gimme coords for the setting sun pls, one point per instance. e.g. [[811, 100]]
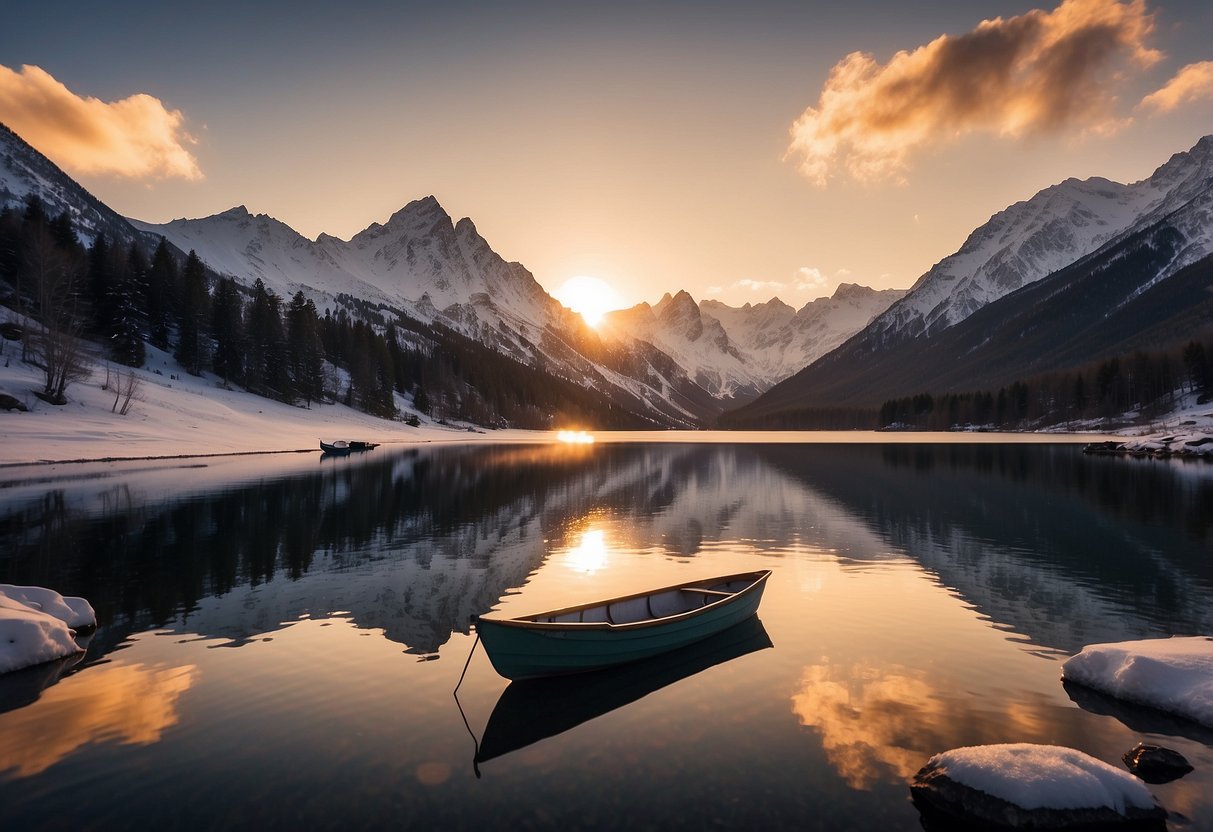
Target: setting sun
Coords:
[[589, 296]]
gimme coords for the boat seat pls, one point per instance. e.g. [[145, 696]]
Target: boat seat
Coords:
[[714, 592]]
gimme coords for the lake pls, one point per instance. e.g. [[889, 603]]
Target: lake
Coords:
[[280, 637]]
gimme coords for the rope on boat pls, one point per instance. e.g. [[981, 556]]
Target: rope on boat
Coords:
[[459, 705]]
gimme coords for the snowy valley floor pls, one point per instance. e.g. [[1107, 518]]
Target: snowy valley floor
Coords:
[[183, 415], [178, 415]]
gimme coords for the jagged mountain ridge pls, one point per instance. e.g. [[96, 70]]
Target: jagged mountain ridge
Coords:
[[679, 369], [738, 352], [678, 356], [1033, 238], [24, 172], [1144, 288], [432, 269]]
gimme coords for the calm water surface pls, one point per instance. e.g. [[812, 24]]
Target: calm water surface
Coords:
[[280, 637]]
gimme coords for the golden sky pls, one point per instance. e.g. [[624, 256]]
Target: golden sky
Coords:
[[737, 151]]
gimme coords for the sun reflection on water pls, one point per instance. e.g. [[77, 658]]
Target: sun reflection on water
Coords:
[[590, 555]]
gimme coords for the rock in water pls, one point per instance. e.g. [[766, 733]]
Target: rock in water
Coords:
[[1155, 764], [1023, 786]]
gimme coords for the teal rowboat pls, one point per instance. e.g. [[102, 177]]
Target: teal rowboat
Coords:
[[605, 633]]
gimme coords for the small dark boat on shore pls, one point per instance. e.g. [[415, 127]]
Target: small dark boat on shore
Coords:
[[341, 447]]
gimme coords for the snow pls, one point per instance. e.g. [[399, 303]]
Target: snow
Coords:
[[184, 415], [72, 611], [34, 625], [1059, 225], [1170, 674], [738, 352], [1043, 777]]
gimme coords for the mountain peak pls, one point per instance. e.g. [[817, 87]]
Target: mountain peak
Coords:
[[237, 212], [427, 209], [847, 291]]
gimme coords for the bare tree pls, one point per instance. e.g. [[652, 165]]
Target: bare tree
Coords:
[[127, 392], [55, 345]]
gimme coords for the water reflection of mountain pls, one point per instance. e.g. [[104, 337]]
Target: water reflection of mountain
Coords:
[[1058, 547], [1061, 548]]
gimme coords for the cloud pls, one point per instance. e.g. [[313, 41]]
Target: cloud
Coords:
[[809, 279], [1193, 82], [1042, 71], [806, 279], [136, 137], [760, 285]]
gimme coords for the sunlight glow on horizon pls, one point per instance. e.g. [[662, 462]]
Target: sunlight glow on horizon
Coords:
[[590, 297]]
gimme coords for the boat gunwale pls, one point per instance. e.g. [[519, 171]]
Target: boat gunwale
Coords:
[[523, 621]]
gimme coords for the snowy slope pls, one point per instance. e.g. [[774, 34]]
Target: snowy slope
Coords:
[[24, 172], [1053, 229], [438, 271]]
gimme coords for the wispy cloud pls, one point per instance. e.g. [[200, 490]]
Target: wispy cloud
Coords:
[[760, 285], [1193, 82], [1042, 71], [806, 280], [136, 137]]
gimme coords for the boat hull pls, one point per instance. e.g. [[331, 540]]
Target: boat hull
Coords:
[[519, 650]]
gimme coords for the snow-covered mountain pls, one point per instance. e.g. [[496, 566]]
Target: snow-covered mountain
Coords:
[[683, 359], [420, 259], [738, 352], [1053, 229], [438, 271], [24, 172], [1082, 272], [675, 363]]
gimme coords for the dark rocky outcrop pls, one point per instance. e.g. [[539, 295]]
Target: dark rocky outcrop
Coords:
[[1156, 764]]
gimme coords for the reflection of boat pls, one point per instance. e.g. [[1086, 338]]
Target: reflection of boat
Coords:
[[535, 709], [605, 633]]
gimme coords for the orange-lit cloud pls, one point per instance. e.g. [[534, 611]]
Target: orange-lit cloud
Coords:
[[880, 722], [1038, 72], [1193, 82], [136, 137]]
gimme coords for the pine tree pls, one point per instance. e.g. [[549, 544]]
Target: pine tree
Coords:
[[268, 364], [191, 312], [100, 285], [125, 301], [161, 292], [304, 349], [227, 328]]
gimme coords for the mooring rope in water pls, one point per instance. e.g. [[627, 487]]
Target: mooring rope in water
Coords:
[[462, 715]]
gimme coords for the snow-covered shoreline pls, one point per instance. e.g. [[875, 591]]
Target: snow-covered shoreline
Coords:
[[178, 416]]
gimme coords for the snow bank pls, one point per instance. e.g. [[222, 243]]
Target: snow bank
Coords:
[[1170, 674], [72, 611], [34, 625], [1024, 786], [1043, 777], [1195, 444]]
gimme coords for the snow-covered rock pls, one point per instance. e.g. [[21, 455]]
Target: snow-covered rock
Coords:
[[1170, 674], [71, 610], [36, 625], [1056, 227], [1026, 786]]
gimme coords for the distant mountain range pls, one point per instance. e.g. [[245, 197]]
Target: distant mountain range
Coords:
[[433, 271], [1081, 271]]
